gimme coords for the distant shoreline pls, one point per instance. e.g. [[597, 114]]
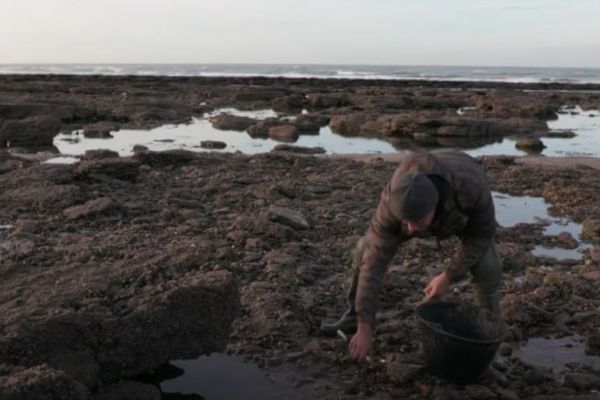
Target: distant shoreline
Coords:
[[550, 75], [336, 82]]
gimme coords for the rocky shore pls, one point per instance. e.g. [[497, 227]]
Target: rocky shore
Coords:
[[113, 266]]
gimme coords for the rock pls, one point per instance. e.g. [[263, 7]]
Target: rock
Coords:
[[261, 128], [43, 196], [29, 132], [41, 383], [581, 381], [479, 392], [165, 158], [424, 139], [299, 149], [100, 130], [212, 144], [92, 208], [538, 376], [507, 394], [289, 103], [561, 134], [402, 373], [318, 100], [231, 122], [128, 390], [310, 124], [284, 133], [566, 240], [287, 217], [124, 169], [590, 229], [530, 144], [595, 254], [17, 249], [99, 154], [139, 148], [348, 124]]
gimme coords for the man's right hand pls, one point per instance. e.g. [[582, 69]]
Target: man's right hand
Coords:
[[361, 343], [438, 287]]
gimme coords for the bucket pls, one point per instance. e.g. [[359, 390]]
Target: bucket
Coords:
[[459, 340]]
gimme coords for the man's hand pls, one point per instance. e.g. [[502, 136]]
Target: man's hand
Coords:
[[437, 287], [361, 344]]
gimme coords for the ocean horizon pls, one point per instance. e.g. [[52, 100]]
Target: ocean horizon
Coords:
[[570, 75]]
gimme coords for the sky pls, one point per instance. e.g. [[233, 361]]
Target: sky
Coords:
[[543, 33]]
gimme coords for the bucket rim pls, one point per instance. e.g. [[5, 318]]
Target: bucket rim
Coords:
[[440, 331]]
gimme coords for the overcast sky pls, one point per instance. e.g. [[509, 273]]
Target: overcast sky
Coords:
[[402, 32]]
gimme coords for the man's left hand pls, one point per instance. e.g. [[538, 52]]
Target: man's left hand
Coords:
[[437, 287]]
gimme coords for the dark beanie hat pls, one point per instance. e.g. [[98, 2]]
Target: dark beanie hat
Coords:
[[412, 196]]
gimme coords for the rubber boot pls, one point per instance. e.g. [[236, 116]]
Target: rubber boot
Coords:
[[490, 302], [347, 324]]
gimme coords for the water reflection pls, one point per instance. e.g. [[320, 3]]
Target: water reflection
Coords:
[[188, 137], [585, 143], [220, 376], [512, 210], [557, 353]]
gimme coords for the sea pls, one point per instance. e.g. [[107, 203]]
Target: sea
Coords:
[[386, 72]]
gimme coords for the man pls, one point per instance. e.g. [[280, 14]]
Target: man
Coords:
[[436, 194]]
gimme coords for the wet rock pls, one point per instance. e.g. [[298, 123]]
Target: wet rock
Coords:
[[261, 128], [284, 133], [124, 169], [139, 148], [100, 130], [442, 393], [566, 240], [41, 383], [212, 144], [507, 394], [151, 116], [128, 390], [590, 229], [289, 103], [530, 144], [561, 134], [402, 373], [595, 254], [424, 139], [17, 249], [566, 397], [92, 208], [310, 124], [299, 149], [165, 158], [257, 94], [43, 196], [504, 104], [348, 124], [293, 219], [265, 229], [538, 376], [29, 132], [99, 154], [231, 122], [320, 101], [480, 392], [581, 381]]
